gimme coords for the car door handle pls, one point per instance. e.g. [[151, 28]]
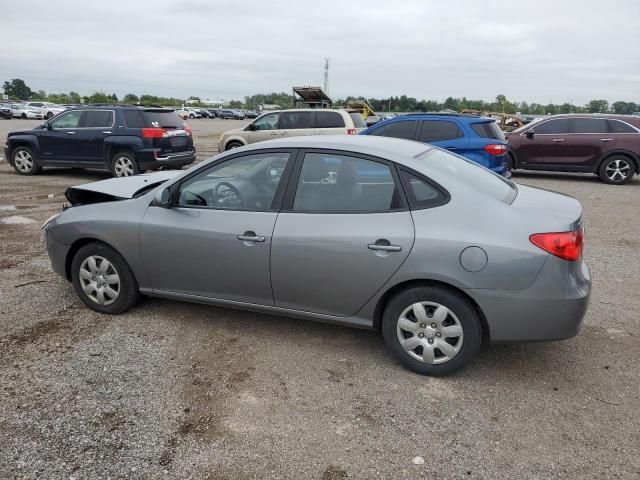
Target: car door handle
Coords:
[[384, 248], [273, 134], [558, 140], [607, 139], [451, 148], [106, 131], [250, 237], [71, 133]]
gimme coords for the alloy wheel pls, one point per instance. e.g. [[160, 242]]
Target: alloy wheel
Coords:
[[99, 280], [23, 161], [430, 332], [618, 170], [123, 167]]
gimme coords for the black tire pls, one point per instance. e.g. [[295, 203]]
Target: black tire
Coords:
[[617, 170], [233, 144], [127, 291], [462, 310], [124, 164], [23, 116], [49, 115], [511, 162], [21, 165]]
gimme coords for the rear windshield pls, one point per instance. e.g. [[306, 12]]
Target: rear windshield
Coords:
[[488, 130], [472, 174], [162, 119], [358, 121]]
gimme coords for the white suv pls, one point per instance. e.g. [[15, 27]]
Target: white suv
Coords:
[[293, 123], [47, 109]]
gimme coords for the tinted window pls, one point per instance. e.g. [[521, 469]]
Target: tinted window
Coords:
[[421, 194], [329, 120], [488, 130], [267, 122], [552, 127], [98, 119], [358, 121], [243, 183], [438, 130], [396, 129], [589, 125], [471, 174], [67, 120], [133, 118], [338, 183], [616, 126], [162, 119], [296, 120]]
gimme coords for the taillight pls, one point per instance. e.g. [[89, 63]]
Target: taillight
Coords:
[[154, 132], [188, 130], [495, 149], [351, 131], [566, 245]]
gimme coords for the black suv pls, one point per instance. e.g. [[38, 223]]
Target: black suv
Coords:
[[124, 139]]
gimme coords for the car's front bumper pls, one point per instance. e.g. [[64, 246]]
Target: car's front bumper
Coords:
[[151, 160], [553, 308], [57, 254]]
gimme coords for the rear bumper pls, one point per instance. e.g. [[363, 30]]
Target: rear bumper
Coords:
[[553, 308], [147, 159]]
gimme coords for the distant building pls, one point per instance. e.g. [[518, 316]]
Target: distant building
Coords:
[[269, 106]]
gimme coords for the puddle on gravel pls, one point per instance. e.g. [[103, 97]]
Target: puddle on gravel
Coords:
[[16, 220], [7, 208]]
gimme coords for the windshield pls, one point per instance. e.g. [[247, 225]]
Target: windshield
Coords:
[[471, 173]]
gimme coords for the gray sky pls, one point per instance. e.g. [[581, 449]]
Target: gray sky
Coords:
[[533, 50]]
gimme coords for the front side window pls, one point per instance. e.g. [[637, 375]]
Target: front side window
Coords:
[[329, 120], [438, 130], [67, 120], [589, 125], [243, 183], [339, 183], [98, 119], [559, 126], [402, 129], [295, 120], [267, 122]]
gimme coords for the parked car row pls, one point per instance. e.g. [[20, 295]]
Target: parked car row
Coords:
[[30, 110], [192, 112]]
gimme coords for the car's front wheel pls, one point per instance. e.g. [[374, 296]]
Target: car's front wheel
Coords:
[[233, 144], [49, 115], [616, 170], [103, 280], [123, 164], [431, 330], [24, 161]]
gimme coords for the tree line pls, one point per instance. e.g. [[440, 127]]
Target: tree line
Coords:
[[17, 89]]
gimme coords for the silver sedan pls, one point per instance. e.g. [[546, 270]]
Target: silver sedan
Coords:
[[437, 253]]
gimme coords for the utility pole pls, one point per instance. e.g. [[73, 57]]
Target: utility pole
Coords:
[[326, 75]]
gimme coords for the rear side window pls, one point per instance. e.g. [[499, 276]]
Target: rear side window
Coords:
[[488, 130], [421, 194], [552, 127], [329, 120], [358, 121], [438, 130], [133, 119], [471, 174], [98, 119], [589, 125], [403, 129], [295, 120], [162, 119], [616, 126]]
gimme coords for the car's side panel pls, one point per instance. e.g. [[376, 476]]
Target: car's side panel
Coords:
[[30, 141]]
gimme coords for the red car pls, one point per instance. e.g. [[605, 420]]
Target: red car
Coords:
[[606, 145]]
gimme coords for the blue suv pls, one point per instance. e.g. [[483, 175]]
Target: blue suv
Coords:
[[477, 138]]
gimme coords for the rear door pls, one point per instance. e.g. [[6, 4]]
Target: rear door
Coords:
[[95, 127], [60, 143], [343, 232], [296, 123], [546, 146], [589, 139], [443, 134], [329, 122]]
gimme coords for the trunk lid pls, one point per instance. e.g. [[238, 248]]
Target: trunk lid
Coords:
[[555, 211]]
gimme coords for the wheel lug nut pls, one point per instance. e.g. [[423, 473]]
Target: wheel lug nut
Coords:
[[421, 335], [423, 325], [433, 325], [438, 334], [430, 340]]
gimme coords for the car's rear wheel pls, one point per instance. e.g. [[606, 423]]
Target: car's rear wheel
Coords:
[[103, 280], [23, 116], [24, 161], [124, 164], [616, 170], [233, 144], [431, 330], [511, 162]]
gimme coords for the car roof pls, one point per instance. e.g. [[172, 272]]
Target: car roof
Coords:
[[464, 117]]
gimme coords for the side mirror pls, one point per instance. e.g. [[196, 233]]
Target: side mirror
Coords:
[[530, 133], [46, 126], [251, 127], [162, 198]]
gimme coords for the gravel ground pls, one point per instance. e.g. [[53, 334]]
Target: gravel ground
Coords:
[[173, 390]]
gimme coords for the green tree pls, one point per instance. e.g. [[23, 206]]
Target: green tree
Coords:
[[74, 97], [235, 104], [597, 106], [131, 98], [98, 97], [16, 88]]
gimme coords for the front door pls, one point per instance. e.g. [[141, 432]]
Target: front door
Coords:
[[265, 128], [589, 139], [545, 143], [216, 240], [342, 233], [59, 143]]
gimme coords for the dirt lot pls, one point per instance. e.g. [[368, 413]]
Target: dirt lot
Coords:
[[172, 390]]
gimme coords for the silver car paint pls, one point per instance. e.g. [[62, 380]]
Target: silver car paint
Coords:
[[524, 293]]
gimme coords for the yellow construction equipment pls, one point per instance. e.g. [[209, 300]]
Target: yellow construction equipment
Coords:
[[362, 106]]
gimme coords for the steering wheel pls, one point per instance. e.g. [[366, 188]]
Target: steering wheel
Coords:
[[199, 200], [227, 196]]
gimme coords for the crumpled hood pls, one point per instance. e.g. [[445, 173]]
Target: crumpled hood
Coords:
[[117, 188]]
